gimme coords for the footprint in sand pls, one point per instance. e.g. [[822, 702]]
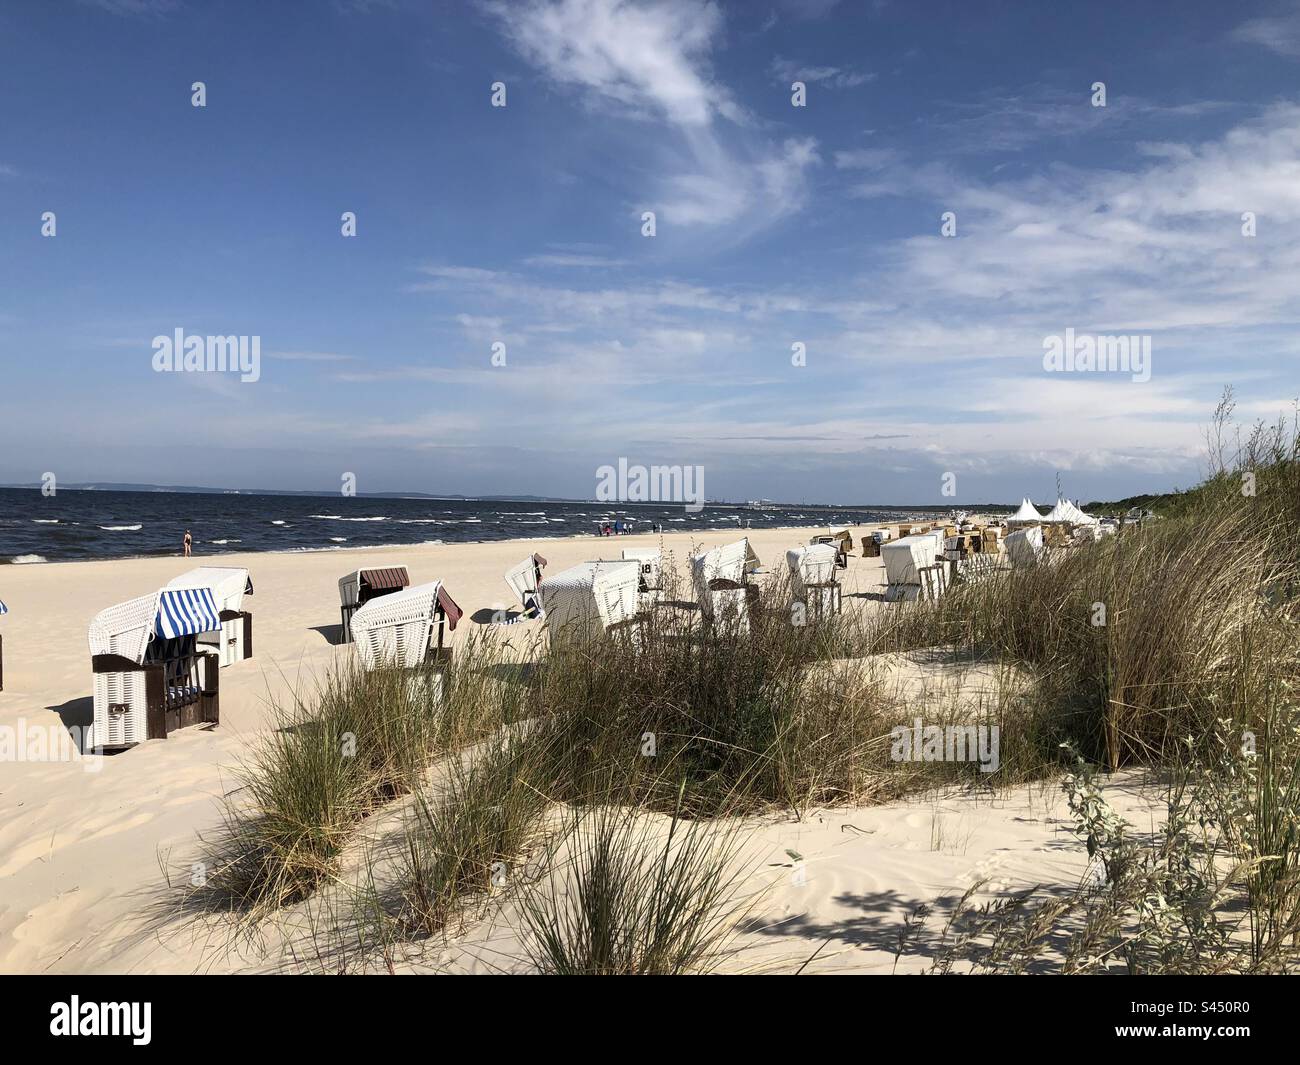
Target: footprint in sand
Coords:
[[988, 869]]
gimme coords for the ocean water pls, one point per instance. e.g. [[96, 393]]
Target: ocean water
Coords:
[[76, 524]]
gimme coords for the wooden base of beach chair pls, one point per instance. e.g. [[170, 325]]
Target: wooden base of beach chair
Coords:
[[731, 605], [934, 580], [345, 624], [632, 630], [823, 600], [134, 703]]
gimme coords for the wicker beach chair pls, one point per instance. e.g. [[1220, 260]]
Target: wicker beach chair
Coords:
[[905, 559], [358, 588], [233, 641], [812, 579], [1025, 547], [151, 676], [651, 585], [524, 580], [406, 629], [593, 599], [722, 588]]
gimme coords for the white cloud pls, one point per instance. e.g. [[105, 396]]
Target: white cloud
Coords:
[[866, 158], [651, 60], [787, 71], [647, 56], [1279, 33]]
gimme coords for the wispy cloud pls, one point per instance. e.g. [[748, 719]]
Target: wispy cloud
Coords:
[[651, 61], [787, 71], [308, 356], [1278, 33], [135, 8]]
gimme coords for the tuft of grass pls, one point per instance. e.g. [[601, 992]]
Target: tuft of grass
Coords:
[[633, 899], [470, 836], [332, 758]]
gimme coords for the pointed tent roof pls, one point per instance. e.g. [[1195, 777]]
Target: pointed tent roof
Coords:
[[1080, 518], [1060, 512], [1027, 512]]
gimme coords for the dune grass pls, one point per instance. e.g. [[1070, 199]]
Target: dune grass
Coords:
[[625, 895], [332, 758], [1163, 646]]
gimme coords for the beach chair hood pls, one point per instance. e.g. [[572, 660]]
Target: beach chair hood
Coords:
[[905, 557], [651, 562], [591, 594], [814, 564], [127, 628], [373, 578], [394, 629], [728, 563], [1023, 548], [522, 578], [229, 584]]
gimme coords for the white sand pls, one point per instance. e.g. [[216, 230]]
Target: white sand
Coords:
[[81, 841]]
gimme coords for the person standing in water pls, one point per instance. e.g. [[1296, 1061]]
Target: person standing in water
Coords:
[[189, 542]]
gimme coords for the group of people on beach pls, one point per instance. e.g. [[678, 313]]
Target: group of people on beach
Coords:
[[618, 527]]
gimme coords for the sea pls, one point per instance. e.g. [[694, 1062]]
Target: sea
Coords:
[[78, 524]]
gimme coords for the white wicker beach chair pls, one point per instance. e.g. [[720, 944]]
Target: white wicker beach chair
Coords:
[[233, 642], [398, 630], [524, 580], [813, 585], [150, 675], [1025, 546], [651, 586], [358, 588], [591, 599], [841, 540], [720, 577], [909, 566]]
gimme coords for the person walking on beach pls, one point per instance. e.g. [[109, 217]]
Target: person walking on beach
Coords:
[[189, 542]]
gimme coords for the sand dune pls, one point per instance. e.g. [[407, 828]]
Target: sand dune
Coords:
[[82, 841]]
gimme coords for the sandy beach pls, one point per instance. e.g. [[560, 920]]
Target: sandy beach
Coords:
[[83, 841]]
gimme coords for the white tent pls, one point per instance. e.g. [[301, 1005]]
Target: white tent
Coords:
[[1027, 513], [233, 640], [1059, 513], [396, 629], [1080, 518], [590, 598]]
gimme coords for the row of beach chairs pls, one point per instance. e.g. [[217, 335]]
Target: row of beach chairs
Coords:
[[156, 659]]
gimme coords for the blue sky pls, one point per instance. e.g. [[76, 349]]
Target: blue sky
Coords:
[[775, 225]]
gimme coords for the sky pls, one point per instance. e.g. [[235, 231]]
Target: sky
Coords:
[[922, 375]]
